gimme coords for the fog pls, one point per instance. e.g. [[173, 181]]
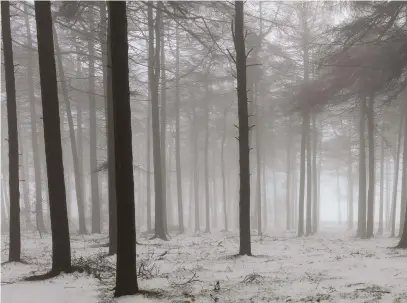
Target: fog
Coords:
[[179, 137]]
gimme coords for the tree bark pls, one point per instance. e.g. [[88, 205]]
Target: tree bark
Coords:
[[61, 249], [14, 182], [126, 273], [206, 156], [404, 178], [244, 159]]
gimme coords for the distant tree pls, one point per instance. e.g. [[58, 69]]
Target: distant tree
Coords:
[[61, 250], [126, 274], [244, 128], [15, 236]]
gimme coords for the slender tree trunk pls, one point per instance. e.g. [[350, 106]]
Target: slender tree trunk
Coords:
[[308, 229], [107, 80], [338, 188], [154, 76], [126, 273], [404, 181], [350, 185], [148, 174], [214, 189], [206, 155], [388, 193], [301, 197], [78, 183], [61, 249], [24, 174], [178, 137], [222, 159], [361, 232], [196, 172], [244, 159], [372, 177], [14, 182], [396, 178], [258, 163], [288, 179], [39, 217], [94, 176], [315, 205], [163, 132], [4, 219], [380, 230]]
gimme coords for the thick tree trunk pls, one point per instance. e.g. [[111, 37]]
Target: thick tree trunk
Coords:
[[126, 273], [76, 166], [14, 182], [94, 176], [382, 180], [244, 159], [61, 249], [361, 232], [178, 138], [372, 177]]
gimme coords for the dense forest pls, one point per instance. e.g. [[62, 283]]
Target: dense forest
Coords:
[[214, 151]]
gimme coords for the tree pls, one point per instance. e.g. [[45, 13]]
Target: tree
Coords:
[[361, 231], [126, 276], [15, 236], [153, 80], [61, 250], [243, 116]]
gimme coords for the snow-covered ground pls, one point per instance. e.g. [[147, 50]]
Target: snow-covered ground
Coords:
[[332, 266]]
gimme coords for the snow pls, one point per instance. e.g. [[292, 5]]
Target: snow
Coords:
[[332, 266]]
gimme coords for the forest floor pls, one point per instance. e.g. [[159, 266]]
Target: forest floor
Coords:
[[332, 266]]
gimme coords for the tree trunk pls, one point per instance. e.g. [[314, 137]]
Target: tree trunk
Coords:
[[178, 138], [301, 197], [404, 178], [258, 163], [61, 249], [315, 205], [126, 273], [350, 185], [222, 159], [308, 229], [163, 132], [196, 172], [153, 79], [338, 187], [94, 176], [403, 221], [206, 155], [76, 167], [24, 174], [107, 80], [15, 233], [372, 177], [396, 178], [380, 230], [244, 159], [361, 232]]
